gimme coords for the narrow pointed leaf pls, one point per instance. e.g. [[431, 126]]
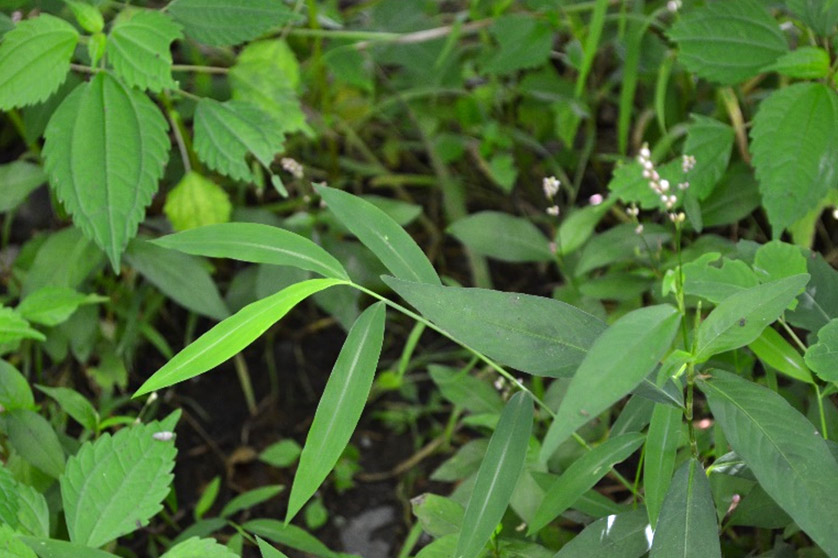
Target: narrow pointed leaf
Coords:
[[340, 406], [138, 49], [618, 361], [225, 23], [289, 535], [51, 306], [388, 241], [773, 350], [252, 242], [35, 440], [497, 475], [53, 548], [659, 461], [624, 535], [267, 550], [785, 453], [232, 335], [582, 475]]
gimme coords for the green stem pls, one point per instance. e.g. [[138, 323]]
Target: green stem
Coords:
[[199, 69], [821, 412]]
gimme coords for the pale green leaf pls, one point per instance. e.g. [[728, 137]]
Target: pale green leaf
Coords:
[[88, 16], [776, 260], [710, 142], [795, 151], [196, 547], [11, 546], [232, 335], [822, 357], [785, 453], [223, 23], [53, 548], [15, 392], [739, 319], [34, 60], [289, 535], [252, 242], [805, 62], [776, 352], [624, 535], [687, 527], [717, 283], [581, 476], [281, 454], [497, 475], [13, 327], [340, 407], [34, 439], [728, 42], [105, 189], [617, 362], [250, 499], [138, 49], [662, 443], [536, 335], [207, 498], [17, 180], [51, 306], [384, 237], [74, 404], [503, 237], [196, 202]]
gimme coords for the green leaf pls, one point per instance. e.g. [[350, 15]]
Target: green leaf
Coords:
[[182, 277], [65, 259], [625, 535], [617, 362], [13, 327], [820, 15], [34, 60], [289, 535], [717, 283], [226, 132], [232, 335], [114, 485], [687, 527], [776, 260], [250, 499], [281, 454], [497, 475], [503, 237], [578, 227], [594, 34], [387, 240], [340, 407], [52, 548], [619, 244], [207, 498], [819, 302], [138, 49], [194, 547], [225, 23], [105, 189], [196, 202], [794, 151], [438, 516], [89, 17], [581, 476], [536, 335], [662, 443], [466, 391], [51, 306], [776, 352], [805, 62], [34, 439], [14, 389], [728, 42], [740, 319], [74, 404], [710, 142], [523, 42], [788, 457], [267, 550], [22, 507], [19, 179], [822, 357], [252, 242], [11, 546]]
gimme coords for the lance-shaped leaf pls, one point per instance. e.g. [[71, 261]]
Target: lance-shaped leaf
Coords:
[[195, 202], [624, 535], [289, 535], [51, 306], [822, 357], [772, 349], [795, 151], [785, 453], [340, 407], [224, 23], [54, 548], [581, 476], [740, 318], [534, 334], [687, 527], [659, 461], [13, 327], [256, 243], [138, 49], [232, 335], [377, 231], [497, 475], [34, 60], [503, 237], [104, 188], [618, 361]]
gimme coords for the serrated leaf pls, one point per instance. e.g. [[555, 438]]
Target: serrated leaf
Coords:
[[196, 202], [795, 150], [785, 453], [710, 142], [34, 60], [739, 319], [662, 443], [138, 49], [15, 392], [19, 179], [106, 190], [74, 404], [497, 475], [226, 132], [13, 327], [640, 338], [728, 42], [194, 547], [534, 334], [114, 485], [51, 306], [820, 15], [624, 535], [33, 512], [34, 439], [11, 546], [822, 357], [289, 535], [503, 237], [250, 499], [232, 335], [805, 62], [687, 527], [225, 23], [89, 17], [340, 407], [256, 243]]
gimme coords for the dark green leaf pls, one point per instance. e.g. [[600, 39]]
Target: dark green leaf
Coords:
[[223, 23], [625, 535], [822, 357], [662, 443], [776, 352], [503, 237]]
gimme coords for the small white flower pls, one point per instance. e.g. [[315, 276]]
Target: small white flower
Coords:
[[292, 167], [647, 174], [553, 210], [644, 152], [683, 185], [152, 398], [633, 211], [638, 229], [664, 185], [835, 213], [673, 5], [687, 163], [596, 199], [551, 186], [664, 199]]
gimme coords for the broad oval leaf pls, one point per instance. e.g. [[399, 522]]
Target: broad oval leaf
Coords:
[[225, 23], [197, 201], [785, 453], [256, 243], [35, 440], [624, 535], [384, 237], [617, 362], [34, 60], [728, 42], [340, 406], [662, 443], [497, 476], [822, 357], [138, 49], [687, 527], [582, 475], [232, 335], [105, 189], [503, 237], [740, 318], [717, 283], [537, 335], [795, 150]]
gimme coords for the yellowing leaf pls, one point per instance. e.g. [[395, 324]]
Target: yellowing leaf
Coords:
[[196, 202]]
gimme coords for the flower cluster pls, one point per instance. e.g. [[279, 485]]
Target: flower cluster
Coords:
[[661, 186], [292, 167], [551, 185]]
